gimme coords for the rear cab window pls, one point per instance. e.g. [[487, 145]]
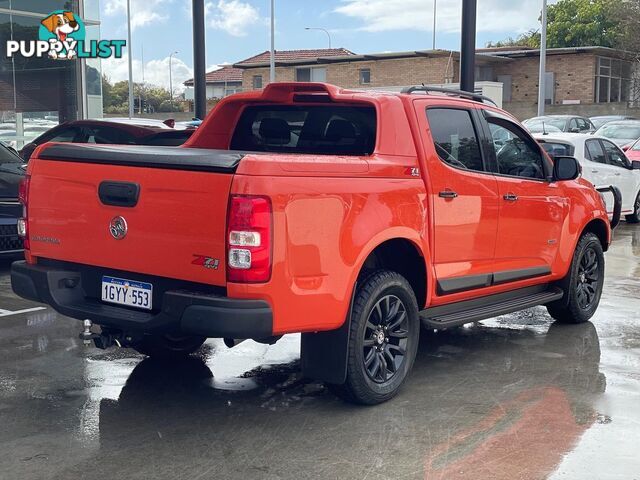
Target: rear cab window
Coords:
[[311, 129]]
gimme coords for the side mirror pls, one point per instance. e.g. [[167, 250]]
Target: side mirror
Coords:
[[635, 165], [566, 168], [626, 148], [574, 130]]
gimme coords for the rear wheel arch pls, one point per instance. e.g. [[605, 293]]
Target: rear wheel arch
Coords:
[[402, 256]]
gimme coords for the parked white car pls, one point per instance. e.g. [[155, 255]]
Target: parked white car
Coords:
[[603, 164]]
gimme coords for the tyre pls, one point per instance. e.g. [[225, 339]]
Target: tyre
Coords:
[[583, 284], [383, 339], [635, 216], [165, 346]]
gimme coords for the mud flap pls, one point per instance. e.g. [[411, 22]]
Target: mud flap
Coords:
[[324, 354]]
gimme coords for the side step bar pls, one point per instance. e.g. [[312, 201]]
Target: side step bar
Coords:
[[454, 315]]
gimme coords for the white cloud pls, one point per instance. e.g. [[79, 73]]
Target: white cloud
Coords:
[[156, 72], [143, 12], [493, 15], [232, 16]]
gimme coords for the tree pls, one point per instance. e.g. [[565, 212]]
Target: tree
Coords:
[[115, 97], [581, 23]]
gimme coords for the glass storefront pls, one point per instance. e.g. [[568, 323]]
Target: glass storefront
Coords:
[[38, 93]]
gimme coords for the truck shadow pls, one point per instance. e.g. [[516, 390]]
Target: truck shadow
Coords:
[[469, 386]]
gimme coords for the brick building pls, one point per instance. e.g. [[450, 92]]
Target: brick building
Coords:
[[344, 68], [589, 80], [586, 80]]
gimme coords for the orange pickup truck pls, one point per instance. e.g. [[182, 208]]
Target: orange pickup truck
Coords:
[[350, 216]]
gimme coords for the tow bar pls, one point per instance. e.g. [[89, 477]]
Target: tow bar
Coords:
[[617, 199]]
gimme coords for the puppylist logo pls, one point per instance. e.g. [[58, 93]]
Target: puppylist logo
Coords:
[[62, 36]]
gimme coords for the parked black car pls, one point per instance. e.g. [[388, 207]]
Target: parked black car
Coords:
[[110, 132], [12, 170]]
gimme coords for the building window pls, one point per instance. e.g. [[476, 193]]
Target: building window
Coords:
[[257, 82], [365, 76], [311, 74], [612, 80], [484, 74]]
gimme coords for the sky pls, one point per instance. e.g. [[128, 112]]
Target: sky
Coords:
[[238, 29]]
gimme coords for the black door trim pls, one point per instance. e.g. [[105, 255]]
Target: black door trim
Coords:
[[465, 283], [522, 274], [462, 284]]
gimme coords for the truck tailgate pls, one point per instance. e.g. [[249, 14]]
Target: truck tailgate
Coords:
[[176, 229]]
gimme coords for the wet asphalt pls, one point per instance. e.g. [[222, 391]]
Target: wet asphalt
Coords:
[[516, 397]]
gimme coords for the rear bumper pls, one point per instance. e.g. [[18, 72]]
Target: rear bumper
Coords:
[[181, 311]]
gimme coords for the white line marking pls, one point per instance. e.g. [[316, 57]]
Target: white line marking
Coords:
[[7, 313]]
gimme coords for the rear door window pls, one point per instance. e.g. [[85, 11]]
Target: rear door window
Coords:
[[595, 152], [455, 138], [314, 129]]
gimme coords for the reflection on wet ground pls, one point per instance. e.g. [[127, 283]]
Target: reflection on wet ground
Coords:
[[516, 397]]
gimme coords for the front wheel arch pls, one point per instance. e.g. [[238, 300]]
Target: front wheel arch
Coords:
[[600, 229]]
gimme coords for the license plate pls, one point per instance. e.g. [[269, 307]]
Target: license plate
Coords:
[[127, 292]]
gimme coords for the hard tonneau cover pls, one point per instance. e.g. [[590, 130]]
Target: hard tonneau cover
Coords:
[[175, 158]]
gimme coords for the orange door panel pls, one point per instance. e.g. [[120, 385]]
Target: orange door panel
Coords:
[[532, 214], [465, 201]]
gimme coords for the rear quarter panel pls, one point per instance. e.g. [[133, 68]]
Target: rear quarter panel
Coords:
[[324, 229]]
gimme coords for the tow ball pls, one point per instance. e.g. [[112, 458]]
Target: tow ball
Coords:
[[105, 339]]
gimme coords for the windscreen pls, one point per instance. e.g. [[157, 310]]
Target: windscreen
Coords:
[[314, 129], [620, 131]]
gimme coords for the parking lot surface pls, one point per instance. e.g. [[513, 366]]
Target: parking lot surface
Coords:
[[516, 397]]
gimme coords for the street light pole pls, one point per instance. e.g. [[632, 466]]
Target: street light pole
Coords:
[[435, 16], [323, 30], [542, 100], [199, 61], [171, 81], [272, 54], [130, 55], [468, 47]]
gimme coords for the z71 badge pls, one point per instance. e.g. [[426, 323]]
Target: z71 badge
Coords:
[[206, 262]]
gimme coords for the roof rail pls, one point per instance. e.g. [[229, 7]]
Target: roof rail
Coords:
[[449, 91]]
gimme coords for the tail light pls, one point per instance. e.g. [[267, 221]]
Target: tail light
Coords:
[[249, 239], [23, 223]]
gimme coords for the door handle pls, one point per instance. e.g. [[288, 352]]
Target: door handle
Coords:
[[510, 197], [448, 194], [119, 194], [618, 174], [595, 171]]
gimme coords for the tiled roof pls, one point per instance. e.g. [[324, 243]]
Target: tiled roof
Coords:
[[225, 74], [293, 55]]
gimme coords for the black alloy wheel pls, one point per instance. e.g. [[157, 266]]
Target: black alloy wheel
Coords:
[[385, 339], [588, 279], [583, 283]]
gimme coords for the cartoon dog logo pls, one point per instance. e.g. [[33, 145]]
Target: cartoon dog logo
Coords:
[[61, 25]]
